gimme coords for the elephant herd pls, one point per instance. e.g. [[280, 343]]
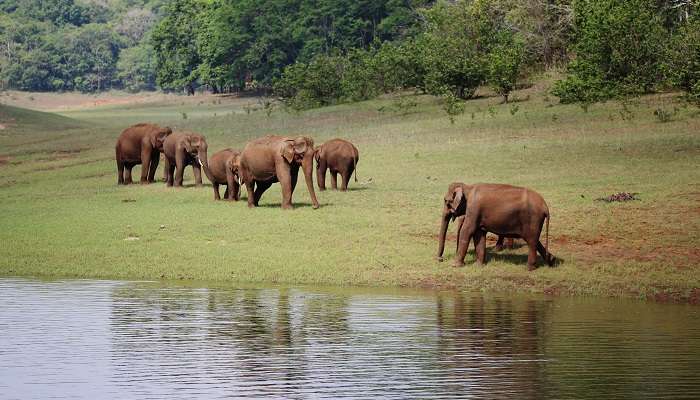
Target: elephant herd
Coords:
[[508, 211]]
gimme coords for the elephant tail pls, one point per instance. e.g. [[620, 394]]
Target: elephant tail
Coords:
[[354, 167], [546, 241], [355, 158]]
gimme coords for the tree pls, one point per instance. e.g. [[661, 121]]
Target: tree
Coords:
[[175, 47], [619, 47]]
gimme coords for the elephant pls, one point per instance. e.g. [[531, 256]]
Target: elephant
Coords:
[[223, 168], [182, 149], [140, 144], [339, 156], [458, 213], [508, 211], [271, 159]]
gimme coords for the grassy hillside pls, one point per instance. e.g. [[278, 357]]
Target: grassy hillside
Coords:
[[64, 215]]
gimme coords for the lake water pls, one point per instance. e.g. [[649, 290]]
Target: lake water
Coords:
[[103, 339]]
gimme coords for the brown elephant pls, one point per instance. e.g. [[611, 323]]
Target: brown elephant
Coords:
[[340, 157], [508, 211], [223, 168], [271, 159], [182, 149], [457, 213], [140, 144]]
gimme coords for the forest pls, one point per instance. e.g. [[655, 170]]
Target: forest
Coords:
[[311, 53]]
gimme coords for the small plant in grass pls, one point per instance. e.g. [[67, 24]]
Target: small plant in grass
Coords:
[[492, 111], [184, 115], [453, 106], [514, 109], [267, 104], [664, 115]]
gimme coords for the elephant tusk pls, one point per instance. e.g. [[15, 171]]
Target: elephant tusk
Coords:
[[200, 162]]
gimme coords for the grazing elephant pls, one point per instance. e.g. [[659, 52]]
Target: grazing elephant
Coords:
[[508, 211], [140, 144], [271, 159], [341, 157], [182, 149], [223, 170], [457, 212]]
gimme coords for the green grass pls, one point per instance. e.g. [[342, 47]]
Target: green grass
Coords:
[[64, 216]]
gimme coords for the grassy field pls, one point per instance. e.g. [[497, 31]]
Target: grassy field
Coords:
[[63, 214]]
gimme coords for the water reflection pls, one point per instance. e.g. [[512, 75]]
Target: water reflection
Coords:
[[85, 339]]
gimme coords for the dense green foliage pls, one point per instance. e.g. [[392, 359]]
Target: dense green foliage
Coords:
[[319, 52], [621, 49], [55, 45], [462, 45], [226, 44]]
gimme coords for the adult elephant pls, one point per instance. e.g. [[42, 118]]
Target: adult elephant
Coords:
[[455, 211], [223, 170], [508, 211], [271, 159], [340, 157], [182, 149], [140, 144]]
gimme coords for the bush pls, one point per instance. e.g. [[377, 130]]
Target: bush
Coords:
[[619, 47], [313, 84], [683, 60]]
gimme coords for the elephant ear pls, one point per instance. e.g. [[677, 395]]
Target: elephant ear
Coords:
[[287, 150], [458, 198], [187, 142]]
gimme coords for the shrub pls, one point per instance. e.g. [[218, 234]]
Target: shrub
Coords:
[[619, 47]]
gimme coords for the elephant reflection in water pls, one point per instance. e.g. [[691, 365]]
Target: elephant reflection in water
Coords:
[[499, 342]]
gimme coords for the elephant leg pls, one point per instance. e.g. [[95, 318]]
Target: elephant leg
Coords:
[[170, 174], [127, 175], [260, 188], [284, 176], [334, 180], [346, 179], [197, 174], [120, 173], [250, 188], [155, 160], [480, 246], [499, 244], [145, 164], [294, 174], [216, 191], [179, 172], [321, 175], [460, 222], [465, 236]]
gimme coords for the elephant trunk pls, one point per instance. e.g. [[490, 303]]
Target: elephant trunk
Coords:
[[203, 161], [307, 164], [443, 233]]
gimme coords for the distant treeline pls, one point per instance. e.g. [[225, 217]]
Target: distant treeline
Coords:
[[89, 45], [318, 52]]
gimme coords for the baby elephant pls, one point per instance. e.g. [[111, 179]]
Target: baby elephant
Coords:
[[508, 211], [340, 156], [223, 170]]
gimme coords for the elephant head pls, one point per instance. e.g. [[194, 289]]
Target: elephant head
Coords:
[[196, 146], [300, 151], [454, 205], [158, 136], [233, 164]]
